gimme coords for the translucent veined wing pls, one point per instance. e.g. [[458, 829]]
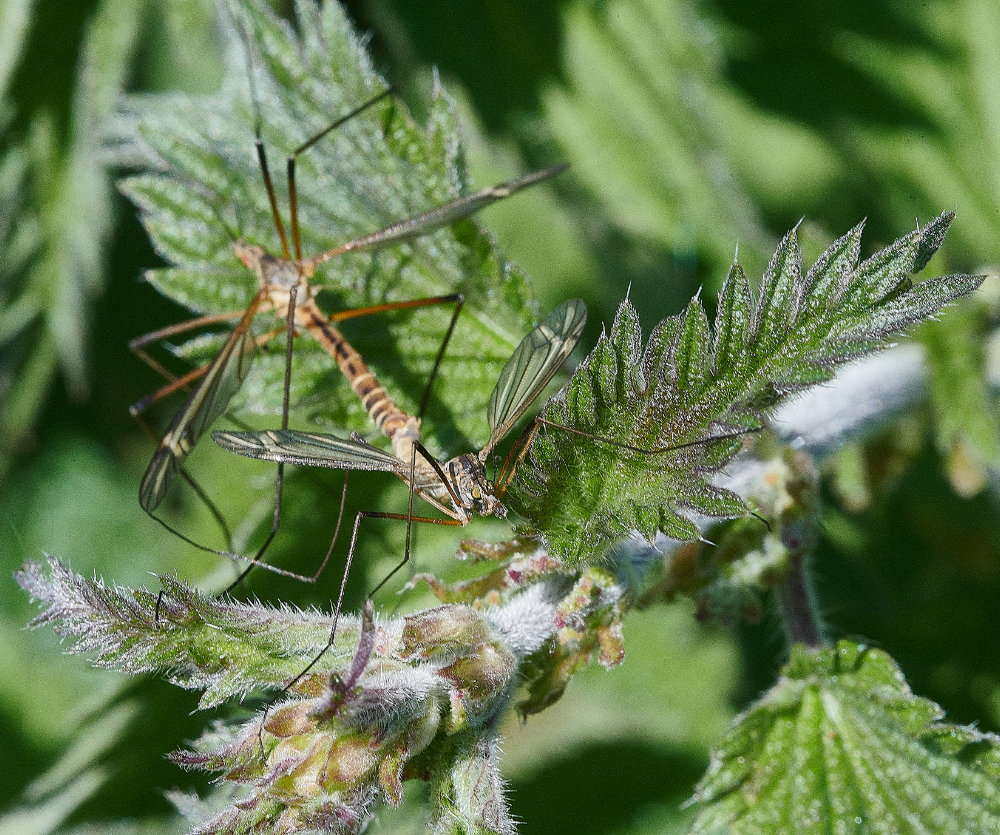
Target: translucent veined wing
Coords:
[[207, 402], [287, 446], [531, 367], [446, 215]]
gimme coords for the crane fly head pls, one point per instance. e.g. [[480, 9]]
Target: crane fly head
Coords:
[[473, 488]]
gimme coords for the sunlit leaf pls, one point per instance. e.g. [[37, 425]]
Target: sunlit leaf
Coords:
[[692, 392], [841, 744]]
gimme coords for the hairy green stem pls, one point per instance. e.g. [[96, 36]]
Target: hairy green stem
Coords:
[[798, 604]]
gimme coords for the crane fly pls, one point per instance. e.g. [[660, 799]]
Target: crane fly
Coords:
[[459, 488], [284, 288]]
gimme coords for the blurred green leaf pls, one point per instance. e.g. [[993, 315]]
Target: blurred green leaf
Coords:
[[15, 15], [966, 426], [637, 118], [53, 264]]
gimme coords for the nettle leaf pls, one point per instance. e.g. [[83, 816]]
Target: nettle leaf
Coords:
[[841, 744], [779, 303], [664, 419], [221, 646], [621, 393], [199, 186]]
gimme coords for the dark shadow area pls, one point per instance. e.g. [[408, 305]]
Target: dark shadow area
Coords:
[[574, 796], [503, 50], [925, 587]]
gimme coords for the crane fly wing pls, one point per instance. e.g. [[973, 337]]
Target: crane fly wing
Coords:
[[532, 365], [446, 215], [312, 449], [206, 403]]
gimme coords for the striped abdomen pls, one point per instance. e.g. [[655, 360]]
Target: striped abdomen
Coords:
[[388, 417]]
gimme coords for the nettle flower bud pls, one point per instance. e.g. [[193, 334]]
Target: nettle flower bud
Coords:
[[322, 756]]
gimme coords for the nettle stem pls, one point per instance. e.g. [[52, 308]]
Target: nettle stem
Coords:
[[798, 519], [786, 497], [798, 605]]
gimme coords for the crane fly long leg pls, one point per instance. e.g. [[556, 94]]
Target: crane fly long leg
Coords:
[[182, 327], [137, 345], [726, 436], [350, 454], [409, 518], [293, 206], [521, 445], [368, 622]]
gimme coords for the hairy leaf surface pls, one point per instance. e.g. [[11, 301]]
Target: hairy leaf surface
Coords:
[[672, 413]]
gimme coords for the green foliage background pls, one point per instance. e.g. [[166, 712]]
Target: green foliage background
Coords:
[[691, 128]]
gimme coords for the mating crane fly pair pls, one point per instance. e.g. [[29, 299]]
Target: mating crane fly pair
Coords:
[[284, 288]]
